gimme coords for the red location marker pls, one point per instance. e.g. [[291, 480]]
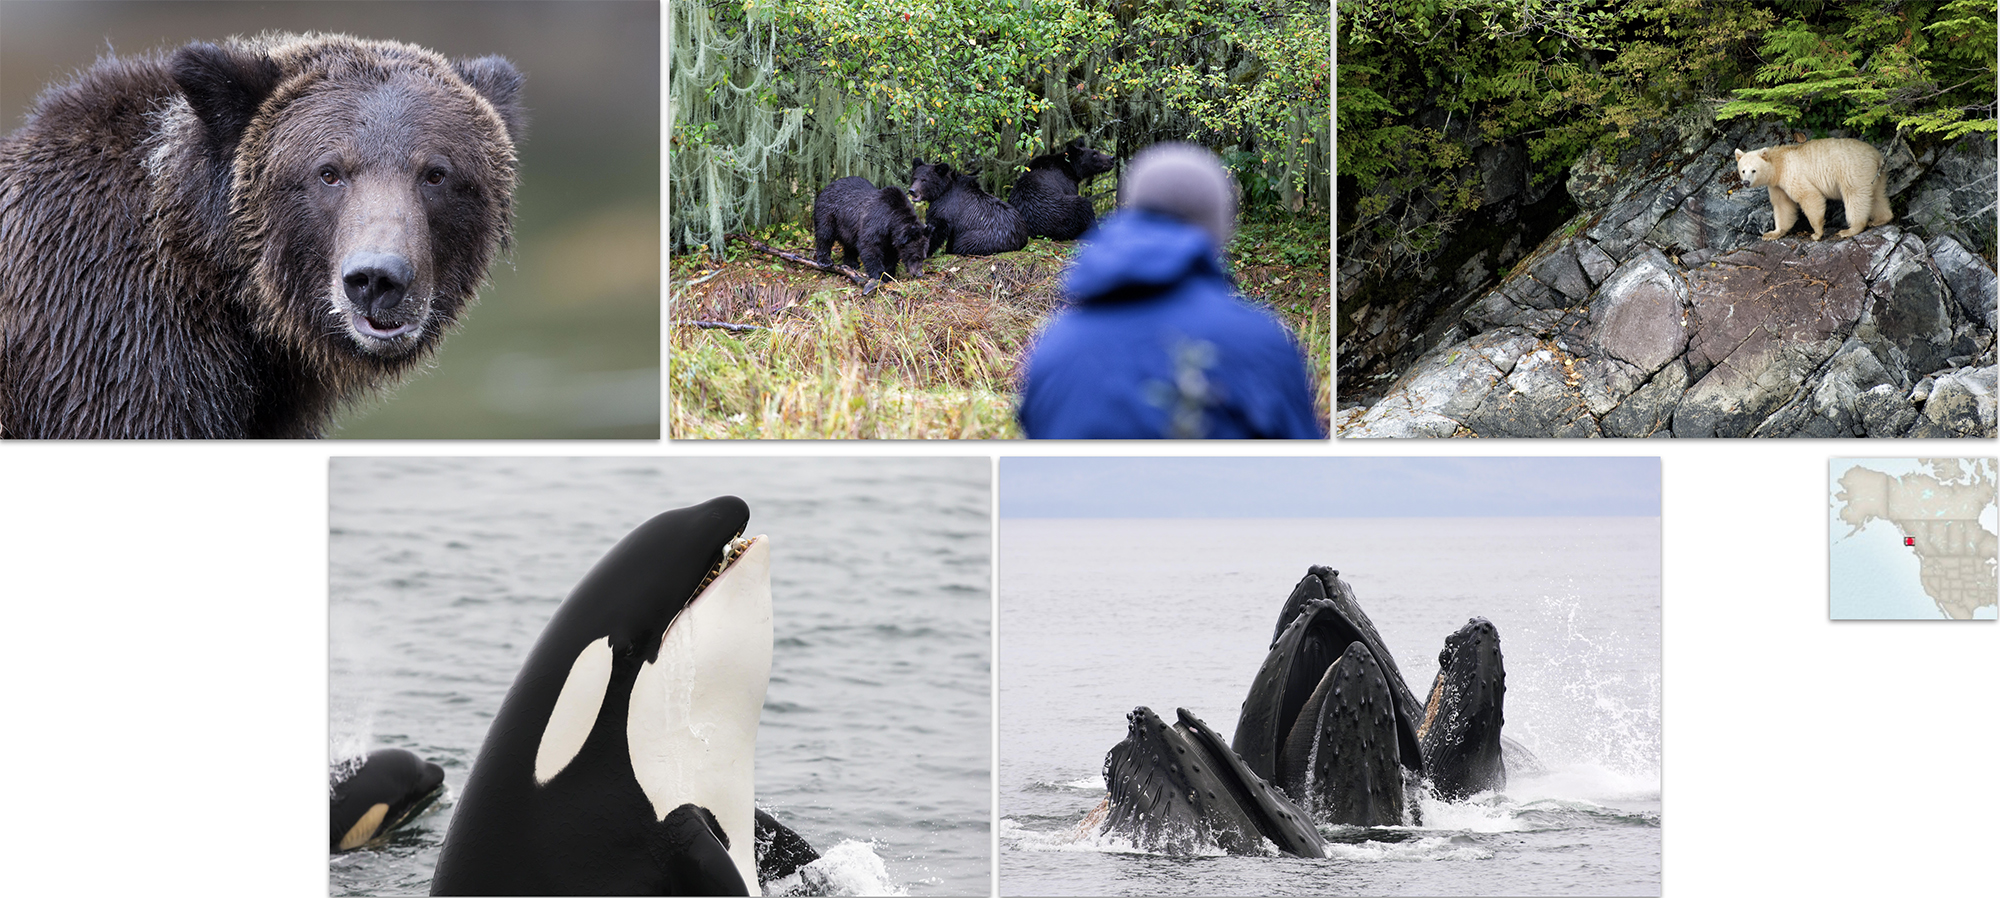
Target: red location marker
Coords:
[[1909, 540]]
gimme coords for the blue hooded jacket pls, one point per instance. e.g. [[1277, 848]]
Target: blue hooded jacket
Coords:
[[1155, 344]]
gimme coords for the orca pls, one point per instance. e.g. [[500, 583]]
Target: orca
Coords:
[[1178, 789], [620, 762], [389, 789], [1460, 732]]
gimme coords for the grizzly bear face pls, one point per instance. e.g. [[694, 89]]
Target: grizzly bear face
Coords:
[[364, 187]]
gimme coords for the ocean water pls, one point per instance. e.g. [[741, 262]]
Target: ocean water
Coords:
[[875, 743], [1099, 616]]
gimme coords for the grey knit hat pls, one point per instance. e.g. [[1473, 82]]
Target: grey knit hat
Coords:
[[1184, 181]]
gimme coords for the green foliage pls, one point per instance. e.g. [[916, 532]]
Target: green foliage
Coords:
[[1417, 77], [771, 101], [1875, 67]]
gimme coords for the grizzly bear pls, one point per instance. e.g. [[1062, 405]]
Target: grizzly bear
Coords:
[[1806, 175], [878, 226], [964, 219], [233, 239], [1048, 192]]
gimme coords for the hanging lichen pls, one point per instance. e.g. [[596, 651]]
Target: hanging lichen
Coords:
[[772, 101]]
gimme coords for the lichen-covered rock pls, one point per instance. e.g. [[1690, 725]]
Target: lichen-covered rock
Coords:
[[1956, 195], [1640, 314]]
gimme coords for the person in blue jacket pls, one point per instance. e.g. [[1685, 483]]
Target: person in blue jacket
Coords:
[[1155, 342]]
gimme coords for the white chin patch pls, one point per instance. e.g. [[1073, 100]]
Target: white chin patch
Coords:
[[692, 727], [576, 709]]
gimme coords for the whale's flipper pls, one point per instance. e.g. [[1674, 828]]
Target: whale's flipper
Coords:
[[390, 789], [1321, 619], [1460, 732], [780, 852], [1178, 789], [1342, 761], [693, 854]]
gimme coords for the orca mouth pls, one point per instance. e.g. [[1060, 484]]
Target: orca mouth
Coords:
[[417, 807], [731, 551]]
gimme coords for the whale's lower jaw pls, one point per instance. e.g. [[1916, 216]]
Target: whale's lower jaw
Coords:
[[1180, 790]]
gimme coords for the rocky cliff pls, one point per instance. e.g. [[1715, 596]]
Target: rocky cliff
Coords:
[[1658, 310]]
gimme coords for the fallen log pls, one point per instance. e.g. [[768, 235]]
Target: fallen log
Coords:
[[857, 277], [726, 326]]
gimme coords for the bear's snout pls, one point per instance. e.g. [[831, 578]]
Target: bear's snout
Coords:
[[376, 282]]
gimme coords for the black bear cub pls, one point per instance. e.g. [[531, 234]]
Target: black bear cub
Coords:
[[1047, 193], [964, 219], [879, 226]]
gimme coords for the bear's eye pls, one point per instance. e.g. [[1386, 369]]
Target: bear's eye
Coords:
[[434, 177], [329, 177]]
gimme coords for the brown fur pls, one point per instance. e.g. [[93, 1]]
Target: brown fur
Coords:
[[1806, 175], [175, 229]]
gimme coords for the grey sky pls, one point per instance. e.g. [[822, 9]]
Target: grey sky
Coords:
[[1324, 487]]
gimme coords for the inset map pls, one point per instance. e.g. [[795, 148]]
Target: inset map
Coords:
[[1912, 538]]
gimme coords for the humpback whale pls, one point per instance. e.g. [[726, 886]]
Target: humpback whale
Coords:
[[1356, 737], [1460, 732], [621, 759], [1341, 760], [389, 789], [1329, 733], [1177, 788]]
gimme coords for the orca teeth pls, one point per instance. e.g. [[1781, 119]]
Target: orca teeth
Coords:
[[730, 550]]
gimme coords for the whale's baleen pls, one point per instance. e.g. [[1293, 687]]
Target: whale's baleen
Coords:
[[621, 759], [389, 789]]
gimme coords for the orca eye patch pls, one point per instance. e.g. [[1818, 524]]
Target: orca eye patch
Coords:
[[575, 711]]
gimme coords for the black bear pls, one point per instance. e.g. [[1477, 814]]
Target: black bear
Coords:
[[1047, 193], [964, 219], [232, 239], [879, 226]]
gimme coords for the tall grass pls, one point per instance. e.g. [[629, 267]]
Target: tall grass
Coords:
[[933, 358], [879, 367]]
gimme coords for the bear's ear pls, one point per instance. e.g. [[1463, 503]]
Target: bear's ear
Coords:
[[499, 82], [1739, 154], [224, 85]]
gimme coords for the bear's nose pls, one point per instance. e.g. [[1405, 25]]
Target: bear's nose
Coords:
[[376, 282]]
